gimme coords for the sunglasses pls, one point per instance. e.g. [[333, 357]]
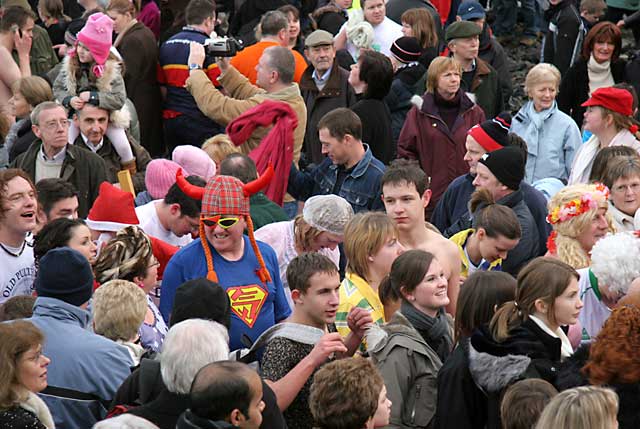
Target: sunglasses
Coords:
[[222, 222]]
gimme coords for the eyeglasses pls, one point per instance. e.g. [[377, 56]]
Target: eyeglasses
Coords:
[[634, 187], [53, 125], [222, 222]]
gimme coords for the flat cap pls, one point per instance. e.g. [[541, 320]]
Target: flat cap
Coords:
[[318, 38], [462, 30]]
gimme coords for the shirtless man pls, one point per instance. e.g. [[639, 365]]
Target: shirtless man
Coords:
[[405, 195], [16, 32]]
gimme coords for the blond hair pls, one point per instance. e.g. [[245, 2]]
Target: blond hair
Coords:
[[219, 147], [569, 249], [304, 234], [364, 236], [119, 308], [437, 68], [586, 407], [541, 73]]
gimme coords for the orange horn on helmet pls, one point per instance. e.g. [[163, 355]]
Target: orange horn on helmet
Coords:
[[258, 184], [191, 191]]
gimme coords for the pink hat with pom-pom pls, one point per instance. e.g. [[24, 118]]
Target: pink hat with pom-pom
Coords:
[[97, 35]]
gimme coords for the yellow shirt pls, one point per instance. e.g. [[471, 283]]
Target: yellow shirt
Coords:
[[356, 292], [461, 240]]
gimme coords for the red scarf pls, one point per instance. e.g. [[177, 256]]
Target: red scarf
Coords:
[[276, 147]]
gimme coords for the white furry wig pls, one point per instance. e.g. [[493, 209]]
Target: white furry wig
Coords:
[[615, 260]]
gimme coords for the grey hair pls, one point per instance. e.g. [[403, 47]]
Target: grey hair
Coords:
[[282, 61], [45, 105], [188, 346], [125, 421]]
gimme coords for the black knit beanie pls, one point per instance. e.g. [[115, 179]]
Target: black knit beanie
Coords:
[[493, 134], [507, 164], [406, 49], [65, 274], [201, 299]]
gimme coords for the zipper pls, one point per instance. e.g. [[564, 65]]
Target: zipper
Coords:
[[415, 404]]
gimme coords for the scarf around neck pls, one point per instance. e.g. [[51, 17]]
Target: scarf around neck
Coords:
[[599, 74], [434, 330]]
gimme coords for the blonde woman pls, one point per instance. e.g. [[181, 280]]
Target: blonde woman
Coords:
[[552, 136], [579, 217], [119, 308], [128, 256], [581, 408], [370, 245]]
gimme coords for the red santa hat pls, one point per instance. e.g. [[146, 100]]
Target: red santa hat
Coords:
[[113, 210]]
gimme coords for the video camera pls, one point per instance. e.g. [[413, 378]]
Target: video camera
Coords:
[[222, 46]]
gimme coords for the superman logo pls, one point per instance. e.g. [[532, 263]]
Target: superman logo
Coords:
[[247, 301]]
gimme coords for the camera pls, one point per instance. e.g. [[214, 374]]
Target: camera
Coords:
[[222, 46]]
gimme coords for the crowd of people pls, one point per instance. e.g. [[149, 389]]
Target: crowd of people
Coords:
[[318, 214]]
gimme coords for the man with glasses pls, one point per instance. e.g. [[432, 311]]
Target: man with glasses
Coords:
[[245, 268], [51, 156]]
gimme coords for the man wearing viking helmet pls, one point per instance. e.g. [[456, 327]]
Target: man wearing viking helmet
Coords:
[[245, 268]]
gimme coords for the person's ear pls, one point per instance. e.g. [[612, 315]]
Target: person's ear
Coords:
[[41, 216], [296, 296], [409, 296], [36, 131], [426, 197], [481, 233], [137, 280], [458, 18], [541, 306], [174, 209], [236, 418]]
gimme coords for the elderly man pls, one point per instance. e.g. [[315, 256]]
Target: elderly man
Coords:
[[245, 268], [51, 156], [478, 77], [92, 121], [181, 359], [324, 87]]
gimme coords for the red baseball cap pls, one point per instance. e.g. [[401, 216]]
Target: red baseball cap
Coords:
[[618, 100]]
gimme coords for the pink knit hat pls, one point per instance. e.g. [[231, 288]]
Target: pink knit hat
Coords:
[[96, 36], [195, 161], [160, 176]]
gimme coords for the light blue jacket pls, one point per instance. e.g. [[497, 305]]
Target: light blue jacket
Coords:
[[81, 361], [552, 139]]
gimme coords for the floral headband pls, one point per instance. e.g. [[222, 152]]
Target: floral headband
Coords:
[[576, 207]]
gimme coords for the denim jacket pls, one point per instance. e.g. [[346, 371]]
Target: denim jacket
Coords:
[[361, 188]]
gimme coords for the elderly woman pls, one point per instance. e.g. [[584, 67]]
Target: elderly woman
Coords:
[[435, 131], [371, 78], [609, 117], [598, 67], [119, 308], [385, 31], [579, 217], [320, 228], [552, 136], [371, 245], [128, 256], [23, 371], [622, 177], [28, 92]]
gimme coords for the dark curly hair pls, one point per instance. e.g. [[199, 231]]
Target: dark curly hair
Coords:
[[614, 357]]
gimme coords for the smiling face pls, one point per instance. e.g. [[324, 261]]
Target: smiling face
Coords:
[[81, 241], [625, 194], [294, 27], [320, 301], [374, 11], [603, 51], [226, 240], [19, 206], [473, 154], [543, 95], [431, 294], [596, 229], [568, 305], [32, 369]]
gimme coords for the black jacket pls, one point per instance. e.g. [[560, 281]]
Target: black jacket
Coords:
[[337, 92], [82, 168], [570, 375], [407, 82], [376, 128], [563, 41], [529, 245], [491, 52], [528, 352], [574, 87], [164, 410], [188, 420], [395, 9], [24, 138]]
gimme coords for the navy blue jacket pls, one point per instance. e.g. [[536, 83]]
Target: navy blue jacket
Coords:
[[361, 188]]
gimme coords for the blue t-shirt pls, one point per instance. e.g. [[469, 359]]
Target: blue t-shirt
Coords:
[[255, 307]]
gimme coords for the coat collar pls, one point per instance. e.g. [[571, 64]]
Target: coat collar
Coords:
[[331, 88], [361, 167]]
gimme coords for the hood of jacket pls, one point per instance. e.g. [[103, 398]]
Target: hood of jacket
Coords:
[[61, 311]]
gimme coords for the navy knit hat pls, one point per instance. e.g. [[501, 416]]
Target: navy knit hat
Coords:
[[65, 274], [507, 164]]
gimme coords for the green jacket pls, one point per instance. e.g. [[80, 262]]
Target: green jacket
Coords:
[[487, 89], [264, 211], [42, 56]]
